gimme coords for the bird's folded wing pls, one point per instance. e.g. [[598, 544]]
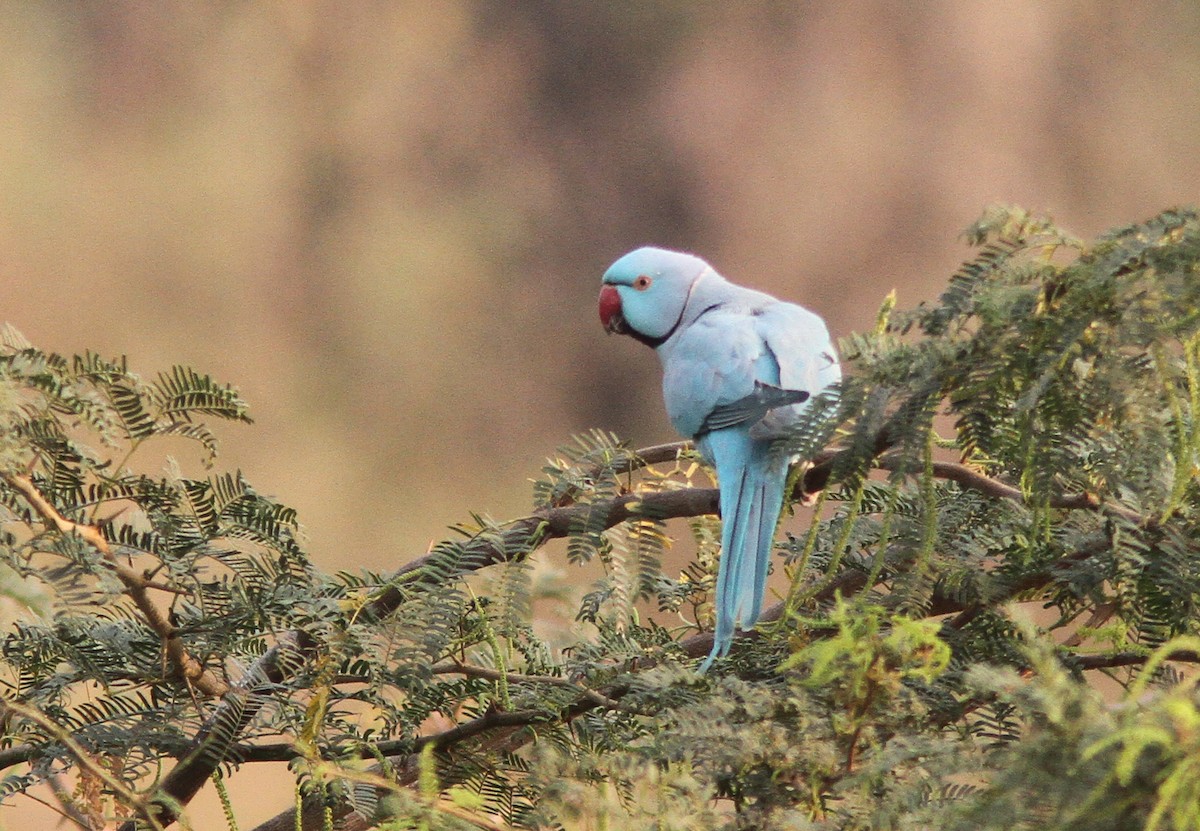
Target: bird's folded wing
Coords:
[[752, 407]]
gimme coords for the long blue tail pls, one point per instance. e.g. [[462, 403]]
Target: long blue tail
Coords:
[[751, 480]]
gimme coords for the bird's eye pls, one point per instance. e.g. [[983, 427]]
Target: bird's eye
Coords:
[[642, 283]]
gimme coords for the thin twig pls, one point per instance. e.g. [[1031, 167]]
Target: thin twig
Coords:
[[83, 758], [71, 815], [1100, 615], [67, 801], [445, 806], [1126, 659], [490, 720], [490, 674], [971, 479], [1028, 583], [653, 455]]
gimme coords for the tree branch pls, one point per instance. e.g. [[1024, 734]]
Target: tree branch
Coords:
[[817, 476], [212, 745], [1028, 583], [653, 455], [514, 730], [971, 479], [472, 671], [137, 586], [83, 759], [1127, 659], [529, 533]]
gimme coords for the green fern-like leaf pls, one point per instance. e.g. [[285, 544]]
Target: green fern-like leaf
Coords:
[[183, 393]]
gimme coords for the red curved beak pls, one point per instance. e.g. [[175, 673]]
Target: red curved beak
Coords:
[[610, 309]]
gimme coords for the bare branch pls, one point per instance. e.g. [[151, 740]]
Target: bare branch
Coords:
[[18, 754]]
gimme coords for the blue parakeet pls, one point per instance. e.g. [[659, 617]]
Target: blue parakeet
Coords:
[[738, 368]]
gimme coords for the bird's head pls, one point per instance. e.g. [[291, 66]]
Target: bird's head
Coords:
[[645, 293]]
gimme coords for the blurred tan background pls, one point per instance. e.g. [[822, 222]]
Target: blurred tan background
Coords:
[[385, 222]]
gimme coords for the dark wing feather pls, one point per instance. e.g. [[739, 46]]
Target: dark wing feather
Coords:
[[751, 408]]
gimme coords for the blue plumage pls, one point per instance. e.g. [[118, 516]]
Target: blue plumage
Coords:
[[738, 369]]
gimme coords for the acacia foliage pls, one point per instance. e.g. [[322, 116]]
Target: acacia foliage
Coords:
[[1026, 444]]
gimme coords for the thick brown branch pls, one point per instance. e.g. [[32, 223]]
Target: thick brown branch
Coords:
[[531, 532], [137, 586], [18, 754]]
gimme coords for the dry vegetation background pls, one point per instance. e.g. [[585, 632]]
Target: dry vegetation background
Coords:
[[385, 222]]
